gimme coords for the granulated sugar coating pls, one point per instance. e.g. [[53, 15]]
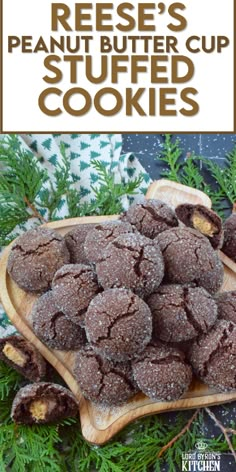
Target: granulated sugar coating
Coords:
[[51, 326], [35, 257], [131, 261], [74, 286], [75, 243], [204, 220], [23, 357], [229, 246], [181, 313], [43, 402], [213, 356], [151, 217], [226, 302], [118, 324], [161, 372], [212, 280], [101, 235], [103, 381], [187, 255]]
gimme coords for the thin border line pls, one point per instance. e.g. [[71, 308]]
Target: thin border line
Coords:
[[117, 131], [234, 65], [1, 67]]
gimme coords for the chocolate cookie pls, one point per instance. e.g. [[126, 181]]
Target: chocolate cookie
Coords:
[[131, 261], [75, 243], [226, 302], [181, 313], [102, 234], [35, 257], [52, 327], [43, 402], [204, 220], [187, 255], [162, 373], [118, 324], [103, 381], [213, 356], [74, 286], [212, 280], [229, 246], [151, 217], [23, 357]]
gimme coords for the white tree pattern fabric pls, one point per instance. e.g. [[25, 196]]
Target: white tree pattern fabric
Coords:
[[81, 149]]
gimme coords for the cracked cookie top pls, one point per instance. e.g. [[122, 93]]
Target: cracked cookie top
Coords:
[[213, 279], [181, 312], [118, 324], [101, 235], [226, 302], [35, 257], [213, 356], [229, 246], [103, 381], [151, 217], [75, 243], [131, 261], [74, 286], [162, 373], [51, 326], [187, 255]]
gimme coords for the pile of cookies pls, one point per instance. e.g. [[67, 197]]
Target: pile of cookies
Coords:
[[136, 299]]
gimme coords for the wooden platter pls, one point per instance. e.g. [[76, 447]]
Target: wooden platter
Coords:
[[100, 424]]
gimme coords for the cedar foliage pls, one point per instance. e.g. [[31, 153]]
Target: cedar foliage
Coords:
[[199, 172], [26, 192]]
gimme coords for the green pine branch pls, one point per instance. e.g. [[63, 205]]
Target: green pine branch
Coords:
[[108, 194], [10, 381], [26, 191], [190, 174], [51, 198], [20, 181], [28, 194], [187, 171], [170, 156], [20, 173], [225, 178], [62, 448]]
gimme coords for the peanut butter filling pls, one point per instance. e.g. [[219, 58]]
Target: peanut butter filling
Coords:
[[38, 409], [203, 225], [14, 355]]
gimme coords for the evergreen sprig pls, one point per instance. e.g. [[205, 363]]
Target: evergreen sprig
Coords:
[[108, 194], [188, 171], [20, 182], [51, 198], [26, 191], [170, 156], [10, 381], [61, 447], [20, 174], [225, 179], [29, 448]]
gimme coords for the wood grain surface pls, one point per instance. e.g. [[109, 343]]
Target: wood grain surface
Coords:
[[99, 424]]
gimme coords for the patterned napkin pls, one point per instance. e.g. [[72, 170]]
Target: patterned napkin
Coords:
[[81, 149]]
